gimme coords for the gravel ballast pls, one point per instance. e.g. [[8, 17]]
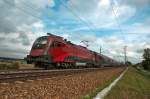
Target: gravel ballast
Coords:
[[60, 87]]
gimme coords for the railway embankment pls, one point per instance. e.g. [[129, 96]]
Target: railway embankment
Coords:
[[61, 87], [135, 84]]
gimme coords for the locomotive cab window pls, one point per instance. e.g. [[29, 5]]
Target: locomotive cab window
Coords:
[[56, 44], [40, 43]]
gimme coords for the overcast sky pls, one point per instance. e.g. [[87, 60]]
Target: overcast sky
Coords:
[[111, 24]]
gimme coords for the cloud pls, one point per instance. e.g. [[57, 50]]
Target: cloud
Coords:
[[89, 38], [20, 25], [80, 15], [137, 3], [22, 21], [113, 46], [124, 12], [24, 39], [7, 51], [98, 15], [50, 3], [16, 15]]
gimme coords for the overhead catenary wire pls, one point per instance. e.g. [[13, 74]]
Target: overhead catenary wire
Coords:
[[21, 9], [91, 24], [88, 22], [116, 17], [96, 27], [77, 16], [26, 12], [120, 26], [30, 5], [35, 9], [117, 21]]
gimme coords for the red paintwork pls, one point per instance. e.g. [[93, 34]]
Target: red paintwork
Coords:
[[67, 49], [36, 52]]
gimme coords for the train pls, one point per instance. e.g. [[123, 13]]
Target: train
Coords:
[[52, 51]]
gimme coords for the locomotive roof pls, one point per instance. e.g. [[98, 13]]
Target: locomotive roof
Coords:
[[55, 36], [43, 37]]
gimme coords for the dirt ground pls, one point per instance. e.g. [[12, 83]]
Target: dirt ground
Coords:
[[61, 87]]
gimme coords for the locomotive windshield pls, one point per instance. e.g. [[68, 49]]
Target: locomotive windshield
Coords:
[[40, 43]]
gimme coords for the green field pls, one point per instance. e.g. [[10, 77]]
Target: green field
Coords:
[[135, 84]]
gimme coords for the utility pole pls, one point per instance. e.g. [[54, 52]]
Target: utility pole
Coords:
[[125, 54], [100, 49]]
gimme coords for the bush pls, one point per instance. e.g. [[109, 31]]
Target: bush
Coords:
[[15, 65], [3, 66], [6, 66], [146, 65]]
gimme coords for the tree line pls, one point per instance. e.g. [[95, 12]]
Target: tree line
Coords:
[[146, 61]]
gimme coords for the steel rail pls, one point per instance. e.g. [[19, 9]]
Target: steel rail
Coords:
[[28, 75]]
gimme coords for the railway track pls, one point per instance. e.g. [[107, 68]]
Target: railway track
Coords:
[[19, 70], [35, 74]]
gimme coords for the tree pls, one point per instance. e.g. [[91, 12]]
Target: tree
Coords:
[[146, 61], [128, 63]]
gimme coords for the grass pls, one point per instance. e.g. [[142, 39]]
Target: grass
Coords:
[[135, 84], [6, 66], [97, 90]]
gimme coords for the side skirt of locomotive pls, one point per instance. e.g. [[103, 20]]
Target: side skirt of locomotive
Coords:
[[44, 62], [63, 65]]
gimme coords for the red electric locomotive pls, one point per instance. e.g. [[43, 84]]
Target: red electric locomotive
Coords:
[[55, 52]]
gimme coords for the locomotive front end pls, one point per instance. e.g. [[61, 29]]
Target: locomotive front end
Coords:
[[39, 51]]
